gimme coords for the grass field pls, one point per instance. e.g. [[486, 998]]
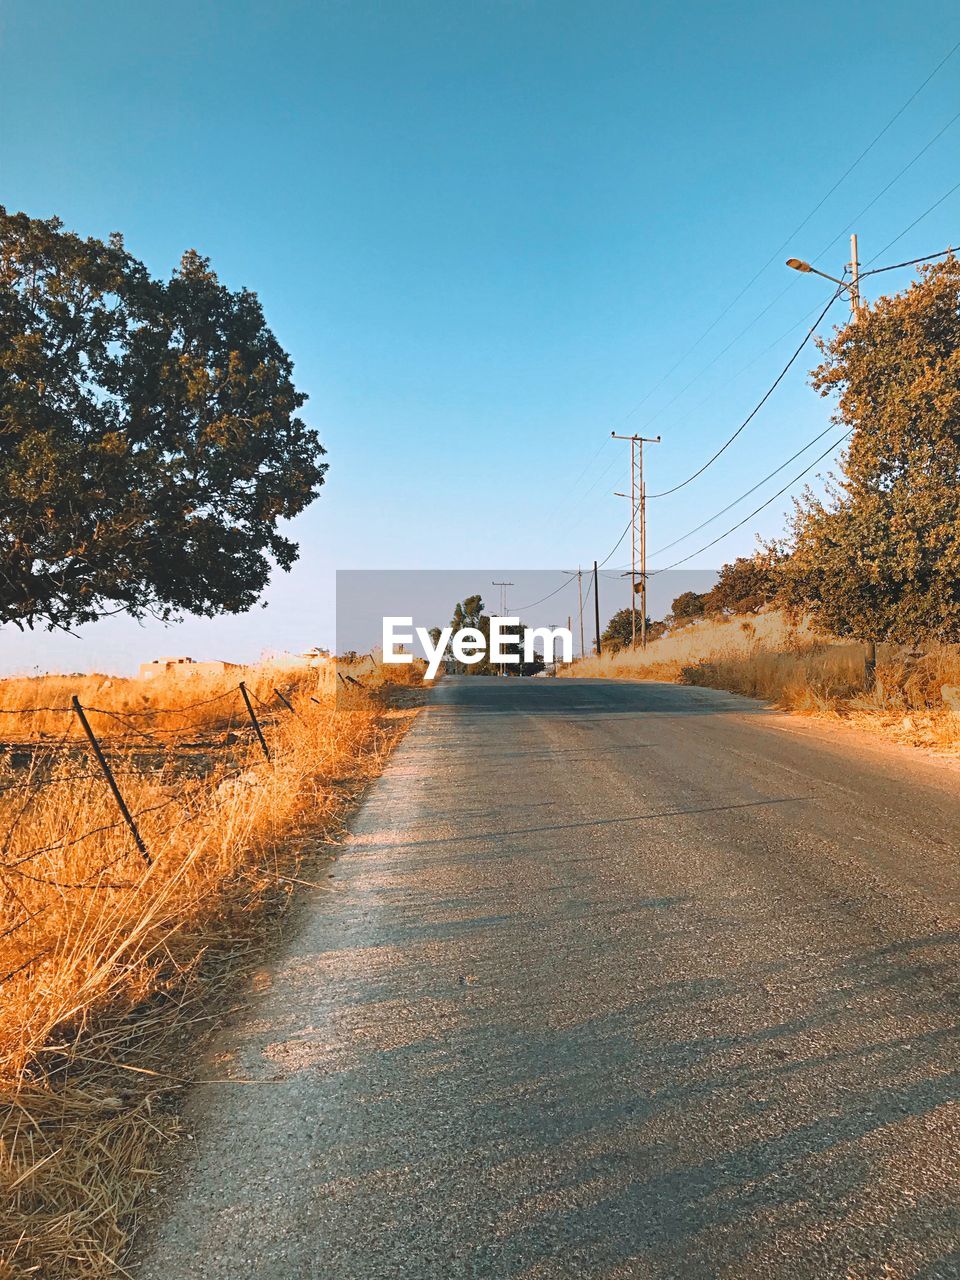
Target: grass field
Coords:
[[767, 656], [108, 956]]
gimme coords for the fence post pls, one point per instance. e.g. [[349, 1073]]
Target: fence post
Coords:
[[870, 663], [253, 720], [111, 780], [284, 701]]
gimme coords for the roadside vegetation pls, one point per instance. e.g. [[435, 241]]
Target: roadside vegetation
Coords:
[[913, 697], [856, 610], [108, 961], [154, 453]]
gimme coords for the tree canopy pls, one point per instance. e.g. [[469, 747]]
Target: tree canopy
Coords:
[[880, 556], [688, 607], [470, 613], [151, 442], [619, 631], [746, 584]]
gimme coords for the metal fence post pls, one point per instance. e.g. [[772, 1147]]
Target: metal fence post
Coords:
[[111, 780], [284, 701], [254, 721]]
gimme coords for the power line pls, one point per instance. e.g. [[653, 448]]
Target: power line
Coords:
[[936, 204], [719, 356], [863, 154], [762, 507], [723, 511], [853, 222], [549, 595], [753, 359], [817, 207], [616, 544], [895, 179], [928, 257], [573, 576], [880, 194], [758, 406], [583, 472], [886, 128]]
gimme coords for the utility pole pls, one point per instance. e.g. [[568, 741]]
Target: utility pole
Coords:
[[578, 572], [580, 595], [503, 603], [854, 278], [870, 646], [503, 596], [853, 289], [638, 533], [596, 605]]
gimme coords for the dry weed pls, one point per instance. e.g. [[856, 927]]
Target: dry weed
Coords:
[[104, 959]]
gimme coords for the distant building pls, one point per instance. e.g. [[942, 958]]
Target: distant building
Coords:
[[184, 667], [284, 661]]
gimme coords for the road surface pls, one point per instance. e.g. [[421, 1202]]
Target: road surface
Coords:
[[611, 981]]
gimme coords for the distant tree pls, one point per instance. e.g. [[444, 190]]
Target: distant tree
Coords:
[[150, 438], [746, 584], [880, 556], [472, 611], [619, 631], [688, 607], [469, 613]]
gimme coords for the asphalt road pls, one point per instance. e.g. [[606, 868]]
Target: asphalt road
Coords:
[[611, 981]]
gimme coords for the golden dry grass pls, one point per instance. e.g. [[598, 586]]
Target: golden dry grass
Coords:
[[104, 958], [768, 656]]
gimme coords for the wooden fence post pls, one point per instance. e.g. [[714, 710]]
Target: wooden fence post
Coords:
[[870, 663]]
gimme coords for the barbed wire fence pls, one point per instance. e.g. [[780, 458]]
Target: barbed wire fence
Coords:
[[110, 758]]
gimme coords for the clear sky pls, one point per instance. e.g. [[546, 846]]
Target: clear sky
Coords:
[[486, 231]]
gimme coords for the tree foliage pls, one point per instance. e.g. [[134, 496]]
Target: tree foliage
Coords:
[[746, 584], [688, 607], [150, 435], [619, 631], [880, 557], [470, 613]]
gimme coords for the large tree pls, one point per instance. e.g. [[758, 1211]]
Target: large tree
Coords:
[[150, 442], [880, 556]]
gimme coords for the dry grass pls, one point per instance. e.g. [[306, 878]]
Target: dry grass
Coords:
[[666, 658], [105, 961], [168, 705], [767, 656]]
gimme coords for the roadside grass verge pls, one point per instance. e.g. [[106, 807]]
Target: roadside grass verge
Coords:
[[108, 962], [767, 656]]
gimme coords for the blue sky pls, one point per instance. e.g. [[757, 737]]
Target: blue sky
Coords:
[[485, 232]]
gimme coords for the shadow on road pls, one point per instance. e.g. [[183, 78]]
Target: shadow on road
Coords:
[[574, 1006], [581, 1128], [583, 699]]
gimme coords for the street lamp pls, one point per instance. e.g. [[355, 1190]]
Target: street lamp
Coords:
[[852, 285], [799, 265]]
